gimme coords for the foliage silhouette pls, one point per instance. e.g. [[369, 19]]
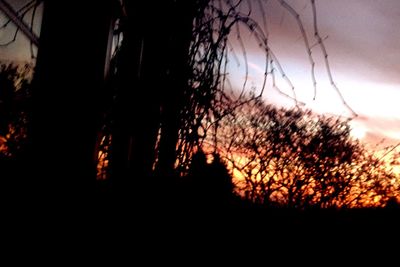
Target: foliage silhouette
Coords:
[[183, 86], [210, 182], [296, 159], [14, 108]]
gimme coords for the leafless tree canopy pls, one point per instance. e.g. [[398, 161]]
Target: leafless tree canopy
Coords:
[[297, 159], [217, 41]]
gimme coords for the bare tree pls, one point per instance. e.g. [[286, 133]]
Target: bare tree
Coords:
[[153, 70], [172, 97], [297, 159], [183, 84]]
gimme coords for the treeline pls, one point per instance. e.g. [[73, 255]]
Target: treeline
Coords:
[[294, 158], [262, 154]]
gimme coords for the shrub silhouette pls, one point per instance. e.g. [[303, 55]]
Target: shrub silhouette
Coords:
[[211, 183], [14, 95]]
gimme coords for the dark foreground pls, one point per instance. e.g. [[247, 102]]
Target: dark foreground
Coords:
[[166, 208], [157, 215], [162, 230]]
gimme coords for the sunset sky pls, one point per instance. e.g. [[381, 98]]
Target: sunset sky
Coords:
[[363, 43]]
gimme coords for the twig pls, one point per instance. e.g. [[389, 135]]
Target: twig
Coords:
[[320, 41]]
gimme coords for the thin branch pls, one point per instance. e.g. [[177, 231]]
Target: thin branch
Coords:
[[296, 15], [12, 40], [263, 16], [32, 22], [244, 54], [28, 6], [284, 77], [320, 41], [389, 151], [17, 19]]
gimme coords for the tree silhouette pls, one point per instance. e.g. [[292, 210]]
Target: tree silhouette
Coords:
[[166, 95], [155, 77], [14, 97], [67, 94], [163, 107], [296, 159], [6, 97], [210, 183], [183, 85]]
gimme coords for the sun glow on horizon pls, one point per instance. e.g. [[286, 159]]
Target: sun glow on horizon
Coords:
[[358, 131], [375, 103]]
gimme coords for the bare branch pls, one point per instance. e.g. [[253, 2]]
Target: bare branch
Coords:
[[296, 15], [12, 40], [32, 23], [18, 21], [244, 54], [320, 41]]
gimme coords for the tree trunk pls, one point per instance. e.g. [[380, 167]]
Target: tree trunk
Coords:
[[68, 86], [177, 34], [137, 107], [153, 76]]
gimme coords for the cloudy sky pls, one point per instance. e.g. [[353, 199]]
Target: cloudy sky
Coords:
[[363, 43]]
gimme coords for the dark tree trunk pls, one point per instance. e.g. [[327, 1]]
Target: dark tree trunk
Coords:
[[177, 34], [153, 76], [137, 107], [68, 86]]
